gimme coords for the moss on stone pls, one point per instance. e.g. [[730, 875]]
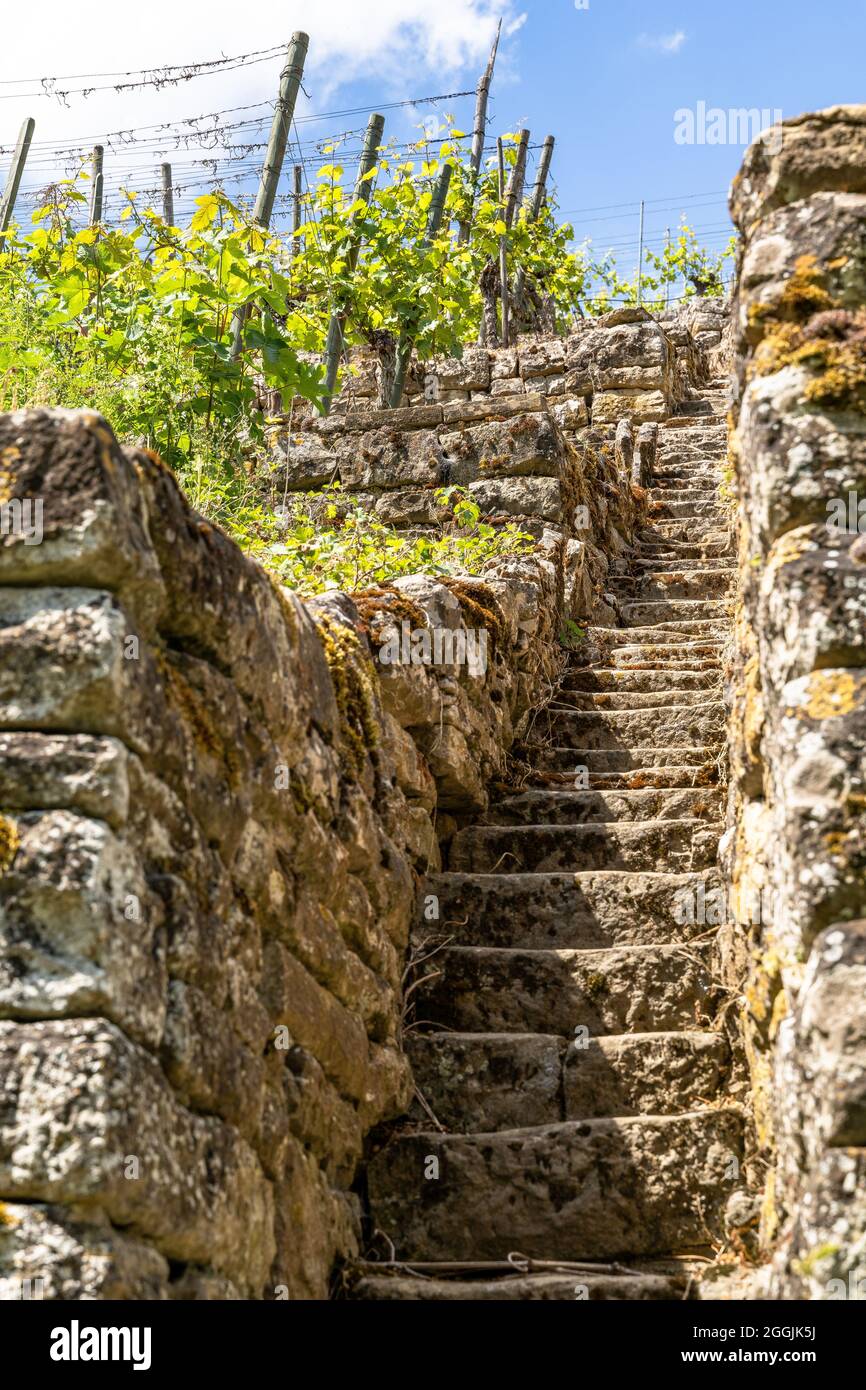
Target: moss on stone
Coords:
[[353, 690]]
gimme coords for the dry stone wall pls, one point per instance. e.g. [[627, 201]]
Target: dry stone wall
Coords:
[[218, 805], [798, 725]]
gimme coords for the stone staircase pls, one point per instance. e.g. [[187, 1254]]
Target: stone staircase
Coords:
[[564, 1036]]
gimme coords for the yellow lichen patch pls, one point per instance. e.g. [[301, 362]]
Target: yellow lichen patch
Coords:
[[804, 294], [7, 1217], [9, 842], [830, 694]]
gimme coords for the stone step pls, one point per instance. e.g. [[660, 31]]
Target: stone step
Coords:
[[527, 1288], [673, 583], [688, 632], [701, 531], [699, 656], [481, 1082], [609, 679], [627, 762], [592, 1190], [572, 911], [665, 495], [637, 989], [629, 699], [674, 846], [596, 807], [708, 509], [666, 557], [656, 611], [686, 726]]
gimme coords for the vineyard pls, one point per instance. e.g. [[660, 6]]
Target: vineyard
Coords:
[[188, 338]]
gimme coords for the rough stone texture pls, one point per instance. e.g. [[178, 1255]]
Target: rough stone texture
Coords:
[[216, 809], [218, 803], [798, 708]]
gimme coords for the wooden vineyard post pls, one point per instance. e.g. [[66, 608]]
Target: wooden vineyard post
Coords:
[[16, 169], [640, 255], [97, 186], [290, 82], [479, 131], [434, 222], [537, 202], [167, 195], [297, 195], [503, 246], [363, 190], [512, 202]]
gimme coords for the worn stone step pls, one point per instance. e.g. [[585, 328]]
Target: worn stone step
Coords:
[[686, 726], [594, 1190], [627, 699], [526, 1288], [681, 634], [674, 610], [610, 679], [477, 1082], [668, 495], [549, 757], [596, 807], [675, 846], [672, 583], [640, 989], [709, 509], [699, 656], [666, 558], [578, 911], [700, 529]]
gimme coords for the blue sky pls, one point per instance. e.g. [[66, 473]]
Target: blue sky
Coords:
[[605, 80]]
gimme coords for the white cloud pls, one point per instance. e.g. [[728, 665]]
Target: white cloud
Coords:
[[401, 48], [664, 43], [516, 23]]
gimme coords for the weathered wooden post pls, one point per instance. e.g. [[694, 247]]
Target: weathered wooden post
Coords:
[[503, 245], [479, 130], [515, 182], [167, 195], [536, 204], [297, 196], [16, 169], [434, 222], [363, 190], [290, 81], [640, 255], [512, 204], [97, 186]]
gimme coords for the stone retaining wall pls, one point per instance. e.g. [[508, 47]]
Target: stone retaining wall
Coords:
[[798, 726]]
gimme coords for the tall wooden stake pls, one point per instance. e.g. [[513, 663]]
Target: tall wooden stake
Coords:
[[536, 203], [516, 180], [503, 247], [540, 187], [167, 195], [297, 195], [667, 282], [640, 256], [97, 186], [290, 81], [363, 190], [434, 222], [479, 129], [16, 169]]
